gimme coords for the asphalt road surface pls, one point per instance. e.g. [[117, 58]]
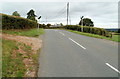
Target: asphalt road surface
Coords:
[[66, 54]]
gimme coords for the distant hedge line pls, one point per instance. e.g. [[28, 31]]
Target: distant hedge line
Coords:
[[59, 27], [14, 22], [43, 26], [50, 26], [92, 30]]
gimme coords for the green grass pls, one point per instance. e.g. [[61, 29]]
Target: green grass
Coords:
[[0, 57], [14, 67], [114, 38], [28, 32], [11, 67]]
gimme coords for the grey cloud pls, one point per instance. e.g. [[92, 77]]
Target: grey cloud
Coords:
[[100, 12]]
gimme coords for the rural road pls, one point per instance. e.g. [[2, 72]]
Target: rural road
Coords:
[[66, 54]]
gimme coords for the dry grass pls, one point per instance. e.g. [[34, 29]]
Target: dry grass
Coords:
[[20, 53]]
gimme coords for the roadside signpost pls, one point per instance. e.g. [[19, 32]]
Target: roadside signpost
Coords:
[[38, 23]]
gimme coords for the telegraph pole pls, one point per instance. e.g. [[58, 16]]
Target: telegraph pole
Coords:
[[67, 12], [82, 23]]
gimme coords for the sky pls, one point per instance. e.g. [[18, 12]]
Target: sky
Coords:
[[103, 14]]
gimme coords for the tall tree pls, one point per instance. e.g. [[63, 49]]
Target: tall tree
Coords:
[[15, 13], [31, 15], [61, 24], [86, 22]]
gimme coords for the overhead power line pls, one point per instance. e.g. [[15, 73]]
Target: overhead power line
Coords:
[[60, 15]]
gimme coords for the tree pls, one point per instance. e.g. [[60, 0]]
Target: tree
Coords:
[[48, 25], [61, 24], [16, 14], [31, 15], [86, 22]]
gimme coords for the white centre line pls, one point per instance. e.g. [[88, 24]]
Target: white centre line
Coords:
[[77, 43], [62, 33], [112, 67]]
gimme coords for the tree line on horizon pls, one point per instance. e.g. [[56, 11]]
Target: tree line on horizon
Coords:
[[31, 15]]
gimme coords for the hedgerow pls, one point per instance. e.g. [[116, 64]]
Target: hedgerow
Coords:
[[87, 29], [42, 26], [15, 22]]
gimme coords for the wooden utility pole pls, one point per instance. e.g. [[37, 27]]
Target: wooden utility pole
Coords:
[[67, 12], [82, 23]]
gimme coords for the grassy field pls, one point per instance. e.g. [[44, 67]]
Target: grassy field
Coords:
[[14, 66], [11, 67], [28, 32], [114, 38], [0, 57], [12, 59]]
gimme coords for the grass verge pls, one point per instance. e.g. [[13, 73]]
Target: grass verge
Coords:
[[11, 67], [29, 32], [15, 59], [17, 56], [114, 38], [0, 58]]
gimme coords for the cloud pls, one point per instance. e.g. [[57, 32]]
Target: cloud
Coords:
[[55, 12], [59, 0]]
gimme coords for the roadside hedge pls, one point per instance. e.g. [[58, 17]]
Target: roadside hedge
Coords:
[[15, 22], [87, 29], [42, 26]]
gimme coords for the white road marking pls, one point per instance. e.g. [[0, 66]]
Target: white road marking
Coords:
[[112, 67], [62, 33], [77, 43]]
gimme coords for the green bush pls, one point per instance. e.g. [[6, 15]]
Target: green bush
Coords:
[[87, 29], [42, 26], [15, 22]]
